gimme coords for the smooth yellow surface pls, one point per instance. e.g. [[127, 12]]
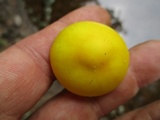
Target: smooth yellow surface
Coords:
[[89, 58]]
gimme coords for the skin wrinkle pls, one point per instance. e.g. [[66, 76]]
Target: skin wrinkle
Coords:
[[96, 107], [128, 94], [36, 57], [8, 117], [49, 38], [15, 91], [114, 99], [41, 82], [150, 116], [104, 18], [38, 52], [40, 58], [79, 108], [136, 72], [154, 115], [135, 77], [8, 91], [144, 113], [119, 94], [141, 63]]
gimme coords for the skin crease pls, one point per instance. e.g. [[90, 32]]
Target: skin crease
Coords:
[[25, 75]]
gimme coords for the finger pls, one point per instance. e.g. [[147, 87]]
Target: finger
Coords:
[[145, 60], [149, 112], [67, 106], [25, 72], [144, 69]]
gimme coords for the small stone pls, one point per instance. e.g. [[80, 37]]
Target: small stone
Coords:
[[17, 20]]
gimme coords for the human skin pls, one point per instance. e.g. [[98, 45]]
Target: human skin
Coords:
[[25, 75]]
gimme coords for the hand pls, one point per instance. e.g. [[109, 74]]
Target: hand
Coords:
[[25, 75]]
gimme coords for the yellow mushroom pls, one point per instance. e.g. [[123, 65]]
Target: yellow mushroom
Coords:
[[89, 58]]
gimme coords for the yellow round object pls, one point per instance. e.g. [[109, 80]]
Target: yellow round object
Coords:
[[89, 58]]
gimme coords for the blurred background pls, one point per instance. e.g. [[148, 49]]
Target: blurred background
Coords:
[[136, 21]]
